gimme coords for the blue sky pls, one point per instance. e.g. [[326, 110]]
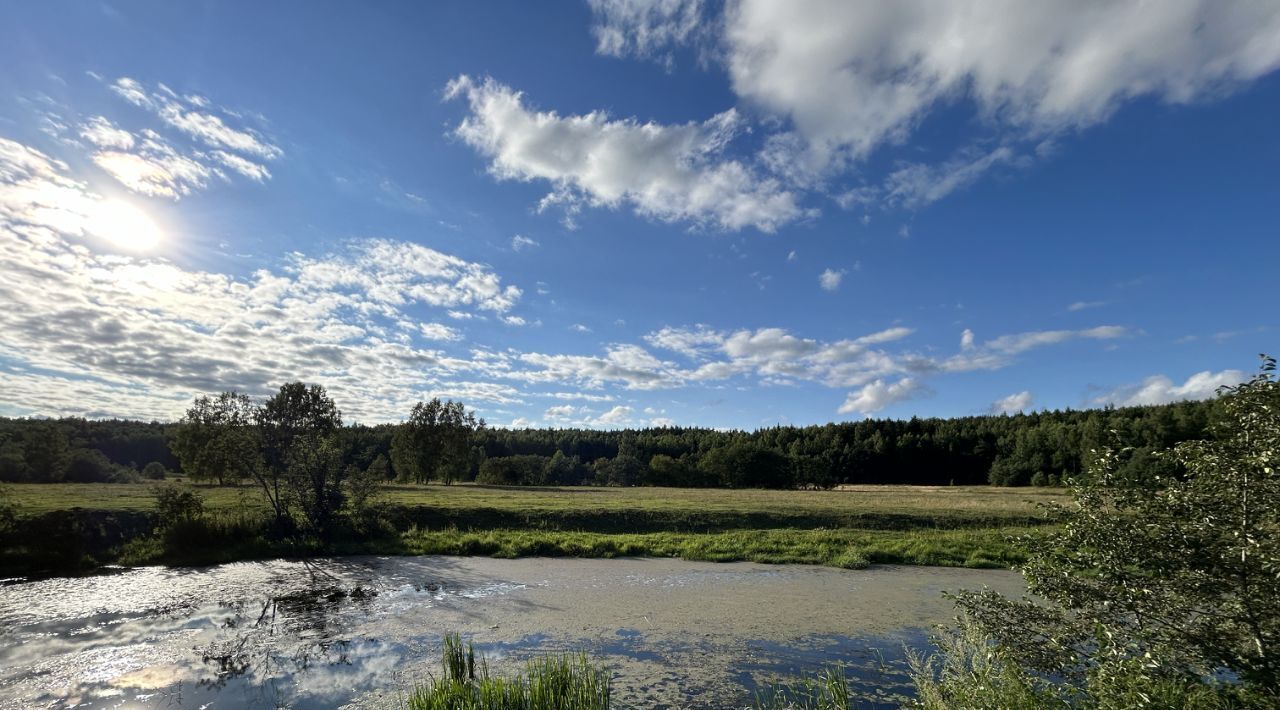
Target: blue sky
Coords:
[[620, 213]]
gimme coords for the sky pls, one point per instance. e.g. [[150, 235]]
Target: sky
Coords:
[[620, 213]]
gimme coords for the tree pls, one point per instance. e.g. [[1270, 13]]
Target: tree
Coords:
[[216, 439], [48, 452], [296, 414], [364, 485], [1161, 587], [314, 479], [435, 442]]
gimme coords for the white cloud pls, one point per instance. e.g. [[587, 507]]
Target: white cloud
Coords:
[[438, 331], [837, 80], [1159, 389], [579, 328], [852, 76], [916, 185], [148, 163], [562, 412], [1020, 342], [830, 280], [104, 134], [691, 342], [247, 168], [666, 172], [1085, 305], [791, 256], [154, 174], [618, 416], [645, 28], [114, 335], [195, 120], [879, 394], [1014, 403], [627, 365], [966, 340], [520, 242]]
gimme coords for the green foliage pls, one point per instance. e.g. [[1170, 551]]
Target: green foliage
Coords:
[[568, 682], [746, 465], [216, 440], [1158, 591], [849, 549], [364, 485], [13, 461], [92, 466], [176, 504], [435, 442], [827, 690], [561, 470], [314, 481], [154, 471], [48, 452], [295, 412], [528, 470], [8, 512]]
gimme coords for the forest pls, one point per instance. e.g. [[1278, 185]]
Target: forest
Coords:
[[444, 442]]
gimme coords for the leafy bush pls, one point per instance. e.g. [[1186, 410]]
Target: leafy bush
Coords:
[[1157, 591], [154, 471], [177, 504]]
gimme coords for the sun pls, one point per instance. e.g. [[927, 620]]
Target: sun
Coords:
[[124, 225]]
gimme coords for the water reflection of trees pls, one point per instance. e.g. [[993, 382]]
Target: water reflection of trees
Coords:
[[282, 637]]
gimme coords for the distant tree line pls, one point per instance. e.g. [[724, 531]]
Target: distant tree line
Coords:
[[84, 450], [442, 441]]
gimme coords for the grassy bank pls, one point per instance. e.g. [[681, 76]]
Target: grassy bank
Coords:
[[847, 548], [94, 524]]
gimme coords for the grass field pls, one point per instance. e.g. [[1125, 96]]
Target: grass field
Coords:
[[965, 503], [850, 527]]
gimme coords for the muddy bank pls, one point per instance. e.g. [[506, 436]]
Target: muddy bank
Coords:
[[361, 631]]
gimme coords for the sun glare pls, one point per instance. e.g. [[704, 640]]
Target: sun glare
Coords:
[[124, 225]]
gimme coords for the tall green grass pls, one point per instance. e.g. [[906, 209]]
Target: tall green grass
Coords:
[[567, 682], [846, 548], [826, 690]]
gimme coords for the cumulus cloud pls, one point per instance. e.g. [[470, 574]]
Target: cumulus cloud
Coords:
[[879, 394], [672, 173], [620, 415], [1160, 389], [852, 76], [629, 366], [830, 279], [1014, 403], [848, 78], [691, 342]]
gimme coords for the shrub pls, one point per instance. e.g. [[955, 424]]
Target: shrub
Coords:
[[154, 471], [177, 504]]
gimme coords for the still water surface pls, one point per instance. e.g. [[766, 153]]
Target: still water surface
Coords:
[[360, 631]]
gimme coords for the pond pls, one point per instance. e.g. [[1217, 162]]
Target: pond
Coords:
[[361, 631]]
